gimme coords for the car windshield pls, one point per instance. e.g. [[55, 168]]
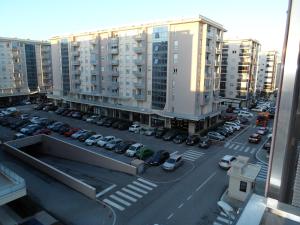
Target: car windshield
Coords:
[[224, 161], [132, 148], [170, 160]]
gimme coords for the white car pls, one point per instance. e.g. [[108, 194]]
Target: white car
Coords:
[[103, 141], [91, 119], [172, 163], [225, 162], [233, 125], [34, 119], [245, 114], [93, 139], [134, 128], [131, 151]]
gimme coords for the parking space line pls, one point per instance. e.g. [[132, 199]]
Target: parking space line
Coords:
[[142, 185], [113, 204], [132, 193], [137, 189], [147, 182], [126, 196]]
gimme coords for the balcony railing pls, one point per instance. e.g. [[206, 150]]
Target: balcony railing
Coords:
[[76, 62], [139, 37], [115, 73], [76, 53], [114, 85], [114, 51], [139, 96], [75, 44], [76, 72], [114, 62], [139, 74], [139, 62], [139, 85], [139, 50]]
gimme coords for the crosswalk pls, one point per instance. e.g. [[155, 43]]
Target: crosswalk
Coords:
[[192, 155], [223, 219], [240, 148], [130, 194], [262, 175]]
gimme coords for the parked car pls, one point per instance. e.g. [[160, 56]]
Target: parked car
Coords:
[[116, 124], [262, 130], [109, 122], [103, 141], [144, 153], [243, 120], [180, 138], [254, 138], [59, 125], [92, 118], [19, 135], [101, 121], [63, 129], [124, 125], [78, 134], [39, 107], [158, 158], [173, 162], [215, 136], [150, 131], [170, 135], [60, 110], [30, 129], [228, 129], [267, 145], [131, 151], [235, 125], [160, 132], [192, 139], [93, 139], [71, 131], [66, 112], [113, 143], [222, 131], [43, 131], [245, 114], [134, 128], [204, 142], [123, 146], [76, 115], [86, 135], [226, 161], [24, 116]]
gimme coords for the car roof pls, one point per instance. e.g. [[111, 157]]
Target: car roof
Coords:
[[137, 144], [228, 157], [175, 156]]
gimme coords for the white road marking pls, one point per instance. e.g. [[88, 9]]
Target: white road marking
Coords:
[[120, 200], [241, 148], [174, 153], [253, 150], [216, 223], [193, 153], [170, 216], [126, 196], [137, 189], [188, 198], [188, 158], [180, 205], [247, 149], [142, 185], [223, 219], [207, 179], [236, 147], [226, 145], [147, 182], [230, 147], [132, 193], [111, 203], [105, 190]]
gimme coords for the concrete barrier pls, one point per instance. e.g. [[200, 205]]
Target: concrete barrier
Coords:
[[66, 179]]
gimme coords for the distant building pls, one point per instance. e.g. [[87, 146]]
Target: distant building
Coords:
[[165, 73], [266, 73], [25, 67], [238, 71]]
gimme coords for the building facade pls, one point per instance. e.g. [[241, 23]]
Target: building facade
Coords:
[[25, 67], [159, 74], [238, 71], [266, 73]]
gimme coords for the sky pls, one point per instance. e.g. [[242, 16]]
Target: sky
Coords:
[[263, 20]]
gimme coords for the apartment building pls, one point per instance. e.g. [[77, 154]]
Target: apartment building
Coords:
[[266, 73], [25, 67], [165, 73], [238, 71]]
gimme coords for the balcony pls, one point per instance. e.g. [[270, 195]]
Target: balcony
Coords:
[[76, 53], [139, 50], [140, 96], [93, 72], [139, 37], [208, 62], [115, 73], [139, 74], [114, 62], [139, 62], [77, 81], [208, 48], [114, 41], [75, 44], [76, 72], [114, 85], [218, 51], [140, 85], [114, 51], [76, 62]]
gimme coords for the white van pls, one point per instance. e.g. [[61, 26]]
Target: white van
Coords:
[[245, 114]]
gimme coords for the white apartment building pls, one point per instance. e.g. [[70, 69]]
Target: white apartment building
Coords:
[[266, 73], [238, 72], [164, 73], [25, 67]]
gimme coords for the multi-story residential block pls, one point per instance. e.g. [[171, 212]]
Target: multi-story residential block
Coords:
[[25, 67], [238, 71], [266, 73], [164, 73]]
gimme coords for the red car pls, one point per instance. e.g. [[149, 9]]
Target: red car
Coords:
[[43, 131], [71, 131]]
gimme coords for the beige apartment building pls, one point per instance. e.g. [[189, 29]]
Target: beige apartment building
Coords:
[[238, 72], [266, 73], [165, 73], [25, 67]]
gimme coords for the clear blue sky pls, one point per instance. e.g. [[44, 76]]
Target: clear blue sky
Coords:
[[263, 20]]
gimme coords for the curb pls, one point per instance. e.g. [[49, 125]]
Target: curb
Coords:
[[257, 157]]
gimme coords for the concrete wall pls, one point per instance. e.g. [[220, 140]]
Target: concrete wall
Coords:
[[72, 182]]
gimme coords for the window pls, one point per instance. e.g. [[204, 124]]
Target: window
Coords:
[[243, 186], [127, 47], [102, 68], [127, 71], [175, 58], [175, 45], [156, 35], [234, 52]]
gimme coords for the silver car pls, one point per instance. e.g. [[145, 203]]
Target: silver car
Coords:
[[173, 162]]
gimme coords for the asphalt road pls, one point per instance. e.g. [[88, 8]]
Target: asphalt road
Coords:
[[186, 196]]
